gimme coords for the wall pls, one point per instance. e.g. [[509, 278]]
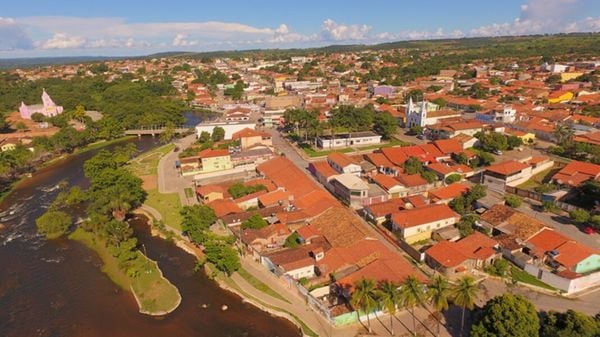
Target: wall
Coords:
[[567, 285], [417, 233], [230, 128], [308, 272]]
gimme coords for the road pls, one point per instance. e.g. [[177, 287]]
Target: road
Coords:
[[169, 180]]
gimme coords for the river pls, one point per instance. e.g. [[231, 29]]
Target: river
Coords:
[[56, 288]]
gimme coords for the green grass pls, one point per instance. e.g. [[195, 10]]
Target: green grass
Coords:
[[256, 283], [189, 192], [155, 293], [539, 179], [168, 205], [147, 162], [313, 153], [520, 275]]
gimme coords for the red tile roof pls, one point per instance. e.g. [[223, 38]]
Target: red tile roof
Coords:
[[449, 192], [448, 146], [507, 167], [210, 153], [411, 180], [323, 168], [223, 207], [341, 159], [474, 246], [247, 132], [386, 208], [385, 181], [273, 198], [576, 173], [422, 215]]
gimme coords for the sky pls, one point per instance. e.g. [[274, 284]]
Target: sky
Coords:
[[39, 28]]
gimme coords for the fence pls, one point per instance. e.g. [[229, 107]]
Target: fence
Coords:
[[541, 197], [315, 303], [410, 250]]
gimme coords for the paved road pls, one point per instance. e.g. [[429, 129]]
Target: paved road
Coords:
[[284, 146], [169, 180]]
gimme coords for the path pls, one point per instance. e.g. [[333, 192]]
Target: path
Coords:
[[169, 180]]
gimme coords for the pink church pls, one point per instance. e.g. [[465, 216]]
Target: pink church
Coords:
[[48, 108]]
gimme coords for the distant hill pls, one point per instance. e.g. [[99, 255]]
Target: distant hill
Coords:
[[584, 44]]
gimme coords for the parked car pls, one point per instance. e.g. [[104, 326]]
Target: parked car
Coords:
[[589, 230], [497, 152]]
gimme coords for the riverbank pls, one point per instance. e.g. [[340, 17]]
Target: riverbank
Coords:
[[93, 146], [154, 294]]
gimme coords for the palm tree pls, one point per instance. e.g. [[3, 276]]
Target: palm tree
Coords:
[[563, 133], [389, 295], [438, 292], [464, 293], [412, 294], [364, 298]]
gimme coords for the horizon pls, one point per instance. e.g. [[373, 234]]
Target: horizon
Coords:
[[66, 29]]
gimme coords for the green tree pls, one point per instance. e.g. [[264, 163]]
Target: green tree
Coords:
[[466, 225], [513, 142], [254, 222], [413, 166], [38, 117], [498, 268], [415, 130], [453, 178], [412, 294], [568, 324], [564, 134], [580, 216], [513, 201], [438, 293], [385, 124], [364, 297], [204, 137], [507, 315], [168, 133], [53, 224], [218, 134], [292, 241], [20, 126], [79, 113], [464, 293], [109, 128], [415, 94], [222, 256], [389, 296], [196, 220]]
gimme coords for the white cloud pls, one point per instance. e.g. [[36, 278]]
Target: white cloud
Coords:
[[63, 41], [181, 40], [13, 36], [333, 31]]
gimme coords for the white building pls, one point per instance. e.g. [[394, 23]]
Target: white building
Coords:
[[425, 113], [348, 140], [229, 127]]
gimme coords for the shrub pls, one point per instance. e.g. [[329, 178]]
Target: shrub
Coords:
[[513, 201]]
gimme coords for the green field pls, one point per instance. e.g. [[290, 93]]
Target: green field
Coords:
[[539, 179], [154, 292], [147, 162], [168, 205]]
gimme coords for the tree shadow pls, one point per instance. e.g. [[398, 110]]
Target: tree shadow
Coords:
[[452, 317]]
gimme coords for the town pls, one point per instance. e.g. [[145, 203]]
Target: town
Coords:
[[348, 184]]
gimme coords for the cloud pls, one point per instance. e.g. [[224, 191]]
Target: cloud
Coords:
[[333, 31], [180, 40], [13, 36], [63, 41]]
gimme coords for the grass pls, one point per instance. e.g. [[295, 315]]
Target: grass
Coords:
[[168, 205], [539, 179], [520, 275], [313, 153], [189, 192], [147, 163], [256, 283], [155, 293]]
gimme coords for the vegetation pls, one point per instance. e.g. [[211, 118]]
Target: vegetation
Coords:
[[53, 224], [414, 166], [364, 298], [568, 324], [292, 241], [167, 204], [239, 190], [507, 315], [498, 268], [513, 201], [453, 178], [464, 204], [464, 294], [254, 222], [256, 283], [438, 292], [222, 255], [494, 141]]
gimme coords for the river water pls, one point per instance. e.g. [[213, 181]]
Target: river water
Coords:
[[56, 288]]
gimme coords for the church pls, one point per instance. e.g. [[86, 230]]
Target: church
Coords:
[[48, 108], [426, 113]]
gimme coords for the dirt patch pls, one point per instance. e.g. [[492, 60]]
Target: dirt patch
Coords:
[[149, 182]]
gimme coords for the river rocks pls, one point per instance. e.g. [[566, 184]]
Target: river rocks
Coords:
[[224, 307]]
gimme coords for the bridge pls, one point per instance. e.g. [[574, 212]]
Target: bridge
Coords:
[[157, 130]]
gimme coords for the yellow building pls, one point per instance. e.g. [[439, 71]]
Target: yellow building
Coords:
[[569, 76], [560, 96], [249, 137], [526, 137], [215, 160]]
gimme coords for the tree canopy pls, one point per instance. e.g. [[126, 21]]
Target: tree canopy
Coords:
[[507, 315]]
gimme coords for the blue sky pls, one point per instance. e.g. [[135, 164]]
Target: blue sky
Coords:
[[127, 27]]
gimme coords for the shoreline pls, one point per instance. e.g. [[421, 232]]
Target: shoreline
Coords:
[[86, 148]]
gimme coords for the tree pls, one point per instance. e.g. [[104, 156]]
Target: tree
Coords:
[[513, 201], [507, 315], [580, 216], [389, 296], [453, 178], [438, 292], [513, 142], [53, 224], [222, 256], [568, 324], [117, 232], [79, 113], [168, 133], [239, 190], [20, 126], [38, 117], [109, 128], [498, 268], [412, 294], [463, 294], [364, 298], [415, 94], [564, 134], [385, 124], [218, 134], [196, 220], [466, 225], [553, 79], [204, 137], [415, 130], [413, 166], [254, 222], [292, 241]]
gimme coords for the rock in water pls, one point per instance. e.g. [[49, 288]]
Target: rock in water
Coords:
[[224, 307]]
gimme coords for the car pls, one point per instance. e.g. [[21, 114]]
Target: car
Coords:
[[420, 137], [497, 152], [589, 230], [176, 149]]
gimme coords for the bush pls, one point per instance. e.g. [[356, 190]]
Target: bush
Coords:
[[498, 268], [453, 178], [513, 201], [254, 222], [580, 216], [53, 224]]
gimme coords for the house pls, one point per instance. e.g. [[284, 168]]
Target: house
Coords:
[[278, 197], [526, 137], [350, 189], [576, 173], [205, 161], [443, 170], [445, 194], [250, 137], [342, 163], [419, 114], [267, 238], [474, 251], [380, 212], [391, 185], [508, 173], [323, 172], [417, 224], [249, 201], [505, 220], [353, 139], [223, 207], [560, 97], [414, 183], [297, 262], [208, 193], [229, 127], [447, 129]]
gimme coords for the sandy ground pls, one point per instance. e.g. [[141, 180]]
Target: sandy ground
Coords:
[[149, 182]]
